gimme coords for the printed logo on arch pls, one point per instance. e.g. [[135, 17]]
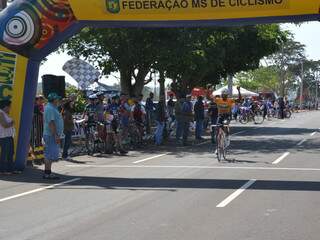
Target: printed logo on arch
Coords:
[[113, 6]]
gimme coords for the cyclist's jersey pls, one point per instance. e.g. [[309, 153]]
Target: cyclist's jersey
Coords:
[[100, 109], [91, 112], [224, 106]]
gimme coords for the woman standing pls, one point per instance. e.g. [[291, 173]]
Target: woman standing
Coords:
[[6, 138], [67, 114]]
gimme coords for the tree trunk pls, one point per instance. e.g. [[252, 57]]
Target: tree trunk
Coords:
[[162, 81], [282, 83], [125, 81], [137, 88]]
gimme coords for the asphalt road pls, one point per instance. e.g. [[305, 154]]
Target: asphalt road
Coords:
[[268, 189]]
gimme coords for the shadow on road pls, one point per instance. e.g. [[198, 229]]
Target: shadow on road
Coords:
[[162, 184]]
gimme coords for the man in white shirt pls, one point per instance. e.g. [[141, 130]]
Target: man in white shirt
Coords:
[[6, 138]]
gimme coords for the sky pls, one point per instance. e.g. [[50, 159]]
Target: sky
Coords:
[[307, 33]]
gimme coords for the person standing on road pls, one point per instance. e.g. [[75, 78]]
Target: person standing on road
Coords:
[[100, 106], [125, 115], [170, 106], [186, 119], [6, 138], [67, 114], [160, 117], [149, 111], [281, 107], [179, 117], [52, 134], [199, 117]]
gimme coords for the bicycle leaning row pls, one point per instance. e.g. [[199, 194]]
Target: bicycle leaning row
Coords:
[[113, 128]]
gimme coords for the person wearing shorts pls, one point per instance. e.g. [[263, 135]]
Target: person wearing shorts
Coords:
[[52, 134]]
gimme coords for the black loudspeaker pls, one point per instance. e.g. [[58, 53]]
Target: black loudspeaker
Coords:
[[52, 83]]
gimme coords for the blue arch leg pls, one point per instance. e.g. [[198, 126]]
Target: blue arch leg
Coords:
[[27, 114]]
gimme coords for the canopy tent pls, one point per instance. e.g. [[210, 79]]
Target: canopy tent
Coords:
[[244, 92], [100, 87]]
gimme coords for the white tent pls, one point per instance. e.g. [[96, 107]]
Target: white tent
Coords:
[[244, 92]]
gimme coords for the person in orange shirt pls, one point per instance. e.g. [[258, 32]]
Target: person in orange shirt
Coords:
[[224, 105]]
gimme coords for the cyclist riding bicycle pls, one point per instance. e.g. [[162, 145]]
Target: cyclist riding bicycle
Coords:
[[224, 105]]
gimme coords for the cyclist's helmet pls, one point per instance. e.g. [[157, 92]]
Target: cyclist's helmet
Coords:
[[99, 94], [225, 93]]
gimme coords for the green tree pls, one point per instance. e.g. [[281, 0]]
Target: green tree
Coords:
[[261, 79], [189, 56], [290, 55], [80, 100]]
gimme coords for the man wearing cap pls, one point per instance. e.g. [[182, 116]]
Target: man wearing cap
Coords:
[[52, 134]]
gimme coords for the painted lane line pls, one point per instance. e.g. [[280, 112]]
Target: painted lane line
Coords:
[[312, 134], [239, 132], [236, 194], [39, 190], [193, 167], [203, 143], [301, 142], [150, 158], [281, 158]]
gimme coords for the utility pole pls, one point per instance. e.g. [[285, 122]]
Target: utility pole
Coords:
[[301, 85]]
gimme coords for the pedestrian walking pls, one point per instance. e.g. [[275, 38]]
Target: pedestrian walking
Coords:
[[52, 134], [68, 123], [187, 118], [199, 117], [6, 138], [160, 117], [149, 110]]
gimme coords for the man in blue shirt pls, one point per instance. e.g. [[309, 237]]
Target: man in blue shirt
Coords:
[[52, 134], [187, 118], [150, 106]]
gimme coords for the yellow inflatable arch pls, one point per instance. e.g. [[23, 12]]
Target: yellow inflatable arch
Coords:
[[32, 29]]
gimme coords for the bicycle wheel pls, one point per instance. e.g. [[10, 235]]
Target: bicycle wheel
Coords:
[[288, 114], [90, 143], [220, 146], [243, 119], [258, 117]]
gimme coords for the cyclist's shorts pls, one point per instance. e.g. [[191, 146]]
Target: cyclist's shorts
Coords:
[[223, 117]]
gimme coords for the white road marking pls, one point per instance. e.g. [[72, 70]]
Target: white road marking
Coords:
[[150, 158], [301, 142], [38, 190], [192, 167], [203, 143], [281, 158], [312, 134], [236, 194], [237, 133]]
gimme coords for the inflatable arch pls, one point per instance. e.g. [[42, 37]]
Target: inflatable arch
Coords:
[[31, 29]]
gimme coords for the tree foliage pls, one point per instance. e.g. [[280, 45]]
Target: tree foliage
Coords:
[[189, 56]]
